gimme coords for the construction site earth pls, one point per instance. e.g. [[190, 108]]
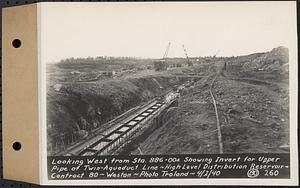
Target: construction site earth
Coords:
[[192, 105]]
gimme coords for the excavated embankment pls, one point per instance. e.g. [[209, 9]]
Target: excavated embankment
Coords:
[[252, 97], [75, 109]]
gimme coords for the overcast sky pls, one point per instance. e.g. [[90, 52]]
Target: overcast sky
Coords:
[[144, 29]]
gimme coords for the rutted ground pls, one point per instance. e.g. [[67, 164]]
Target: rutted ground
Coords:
[[253, 107], [251, 94]]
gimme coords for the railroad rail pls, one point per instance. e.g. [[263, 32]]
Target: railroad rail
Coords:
[[121, 134], [220, 141]]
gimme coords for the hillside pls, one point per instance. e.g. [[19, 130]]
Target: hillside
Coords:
[[251, 94], [252, 98]]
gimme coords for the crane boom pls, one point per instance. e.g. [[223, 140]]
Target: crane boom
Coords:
[[187, 57], [161, 64], [216, 53], [167, 51]]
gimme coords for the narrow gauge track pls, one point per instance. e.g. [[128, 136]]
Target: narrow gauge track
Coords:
[[210, 81], [118, 136], [220, 141], [212, 77]]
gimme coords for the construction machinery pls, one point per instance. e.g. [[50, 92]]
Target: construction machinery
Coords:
[[161, 64], [189, 63], [216, 54]]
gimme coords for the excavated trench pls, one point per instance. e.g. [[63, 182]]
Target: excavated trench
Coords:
[[165, 117], [77, 109]]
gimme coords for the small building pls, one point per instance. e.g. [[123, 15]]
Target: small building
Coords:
[[160, 65]]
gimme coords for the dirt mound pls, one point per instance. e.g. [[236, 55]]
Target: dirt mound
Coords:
[[255, 118], [251, 94], [270, 61], [252, 98], [252, 119], [183, 133]]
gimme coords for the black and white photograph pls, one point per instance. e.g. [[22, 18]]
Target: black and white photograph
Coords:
[[150, 93], [176, 81], [170, 88]]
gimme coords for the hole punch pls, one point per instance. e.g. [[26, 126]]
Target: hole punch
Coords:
[[16, 43], [17, 146]]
